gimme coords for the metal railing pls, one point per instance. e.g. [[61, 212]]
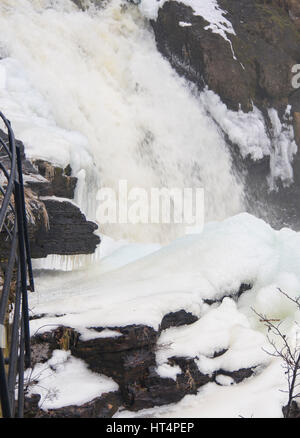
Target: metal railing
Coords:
[[15, 277]]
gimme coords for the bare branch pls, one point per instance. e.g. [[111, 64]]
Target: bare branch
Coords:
[[289, 355]]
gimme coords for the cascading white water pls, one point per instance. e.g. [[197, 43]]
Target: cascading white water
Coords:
[[90, 88]]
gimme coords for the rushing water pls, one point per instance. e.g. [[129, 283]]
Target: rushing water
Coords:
[[90, 88]]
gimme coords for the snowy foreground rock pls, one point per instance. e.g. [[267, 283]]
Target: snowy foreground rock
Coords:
[[173, 332]]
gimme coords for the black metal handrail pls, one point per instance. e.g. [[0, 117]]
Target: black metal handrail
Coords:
[[15, 263]]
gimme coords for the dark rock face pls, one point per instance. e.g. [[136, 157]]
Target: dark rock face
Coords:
[[293, 412], [101, 407], [176, 319], [266, 47], [31, 406], [59, 182], [69, 232], [129, 359], [158, 391], [238, 376], [126, 359], [54, 226]]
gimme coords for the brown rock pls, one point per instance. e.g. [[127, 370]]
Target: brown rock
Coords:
[[61, 183], [101, 407], [130, 361], [266, 46], [177, 319], [54, 227]]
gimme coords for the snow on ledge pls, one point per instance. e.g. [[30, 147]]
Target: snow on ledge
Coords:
[[184, 24], [67, 381], [208, 9]]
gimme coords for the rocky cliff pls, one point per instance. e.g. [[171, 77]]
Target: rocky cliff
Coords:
[[251, 67], [265, 45]]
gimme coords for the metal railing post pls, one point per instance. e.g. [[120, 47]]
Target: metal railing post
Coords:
[[16, 276]]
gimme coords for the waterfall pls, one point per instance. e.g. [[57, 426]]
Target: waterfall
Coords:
[[90, 89]]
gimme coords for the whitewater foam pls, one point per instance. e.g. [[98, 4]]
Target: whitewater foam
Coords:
[[105, 101]]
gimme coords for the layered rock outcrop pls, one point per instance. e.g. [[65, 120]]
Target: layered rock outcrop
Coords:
[[54, 220], [130, 360]]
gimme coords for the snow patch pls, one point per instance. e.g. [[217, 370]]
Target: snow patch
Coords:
[[208, 9], [64, 380], [167, 371], [184, 24], [249, 132]]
